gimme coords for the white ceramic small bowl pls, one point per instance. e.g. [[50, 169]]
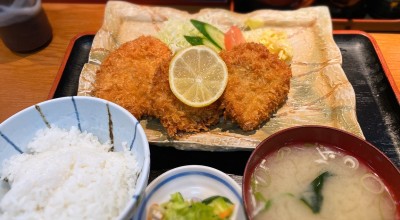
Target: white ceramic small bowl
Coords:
[[94, 115], [192, 181]]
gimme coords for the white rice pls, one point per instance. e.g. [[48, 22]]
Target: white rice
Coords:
[[68, 174]]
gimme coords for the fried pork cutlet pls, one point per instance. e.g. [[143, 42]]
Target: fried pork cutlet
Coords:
[[176, 116], [126, 75], [258, 84]]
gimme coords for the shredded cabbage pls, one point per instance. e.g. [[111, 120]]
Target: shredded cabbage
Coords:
[[172, 33]]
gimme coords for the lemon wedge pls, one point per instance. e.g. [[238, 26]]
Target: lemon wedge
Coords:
[[197, 76]]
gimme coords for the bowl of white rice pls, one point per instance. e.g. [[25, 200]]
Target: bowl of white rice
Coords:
[[72, 158]]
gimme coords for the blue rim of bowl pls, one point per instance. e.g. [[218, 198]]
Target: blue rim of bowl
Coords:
[[198, 170], [73, 99]]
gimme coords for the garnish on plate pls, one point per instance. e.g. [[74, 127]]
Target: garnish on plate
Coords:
[[197, 76], [214, 207]]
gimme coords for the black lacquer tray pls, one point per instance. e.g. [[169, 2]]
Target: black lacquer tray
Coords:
[[378, 110]]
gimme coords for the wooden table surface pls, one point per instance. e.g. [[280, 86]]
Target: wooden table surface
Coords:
[[26, 79]]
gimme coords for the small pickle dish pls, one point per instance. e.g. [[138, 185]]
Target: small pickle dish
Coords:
[[192, 192]]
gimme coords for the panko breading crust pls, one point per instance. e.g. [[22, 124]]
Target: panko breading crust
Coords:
[[176, 116], [136, 76], [258, 84], [126, 75]]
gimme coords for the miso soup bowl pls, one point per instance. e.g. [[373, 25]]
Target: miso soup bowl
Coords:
[[343, 141]]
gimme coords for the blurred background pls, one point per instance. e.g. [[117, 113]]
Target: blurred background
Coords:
[[338, 8], [366, 15]]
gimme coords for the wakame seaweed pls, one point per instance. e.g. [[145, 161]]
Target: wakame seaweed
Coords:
[[313, 197], [267, 203]]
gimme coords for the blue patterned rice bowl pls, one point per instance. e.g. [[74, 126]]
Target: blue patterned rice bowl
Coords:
[[106, 120]]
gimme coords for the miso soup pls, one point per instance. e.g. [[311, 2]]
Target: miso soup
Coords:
[[310, 181]]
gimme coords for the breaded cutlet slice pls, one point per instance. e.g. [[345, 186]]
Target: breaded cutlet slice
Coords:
[[126, 75], [176, 116], [258, 84]]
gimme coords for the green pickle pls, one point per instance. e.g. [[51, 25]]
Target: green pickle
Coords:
[[177, 208]]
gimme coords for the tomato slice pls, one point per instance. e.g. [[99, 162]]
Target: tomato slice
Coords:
[[233, 37]]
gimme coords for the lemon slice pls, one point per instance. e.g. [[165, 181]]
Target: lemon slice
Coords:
[[197, 76]]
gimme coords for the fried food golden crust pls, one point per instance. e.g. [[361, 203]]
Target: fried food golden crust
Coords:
[[126, 75], [258, 84], [176, 116]]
